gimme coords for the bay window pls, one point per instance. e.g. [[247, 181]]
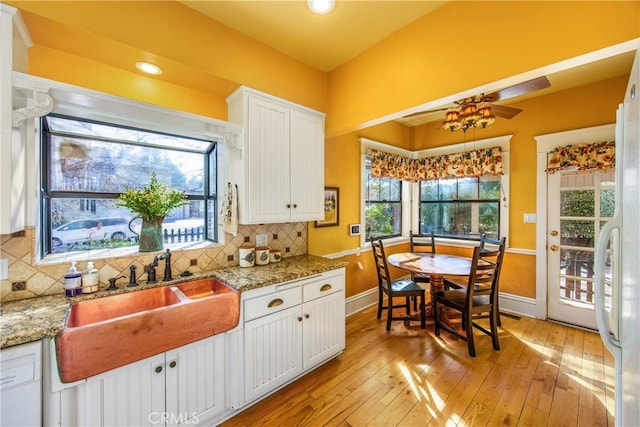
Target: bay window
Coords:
[[87, 164]]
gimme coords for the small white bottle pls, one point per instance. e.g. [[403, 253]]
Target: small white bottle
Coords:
[[73, 281], [90, 279]]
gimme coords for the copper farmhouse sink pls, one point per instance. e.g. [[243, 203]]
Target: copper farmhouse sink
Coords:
[[98, 310], [106, 333], [202, 288]]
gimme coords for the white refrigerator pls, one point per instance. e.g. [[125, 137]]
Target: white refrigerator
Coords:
[[617, 261]]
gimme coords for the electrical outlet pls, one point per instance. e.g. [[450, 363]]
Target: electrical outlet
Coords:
[[262, 240], [18, 286], [529, 217]]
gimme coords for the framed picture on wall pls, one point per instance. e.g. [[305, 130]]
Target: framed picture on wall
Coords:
[[331, 204]]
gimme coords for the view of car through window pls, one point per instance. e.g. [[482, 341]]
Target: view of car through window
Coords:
[[87, 165]]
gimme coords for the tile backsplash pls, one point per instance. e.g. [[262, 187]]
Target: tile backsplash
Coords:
[[47, 278]]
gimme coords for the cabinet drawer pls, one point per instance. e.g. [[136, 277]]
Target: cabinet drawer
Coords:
[[322, 287], [271, 303]]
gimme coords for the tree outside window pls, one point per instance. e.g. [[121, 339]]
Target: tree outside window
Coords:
[[383, 206], [86, 165], [462, 207]]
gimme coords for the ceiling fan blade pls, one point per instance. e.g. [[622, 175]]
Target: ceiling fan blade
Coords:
[[518, 90], [504, 111]]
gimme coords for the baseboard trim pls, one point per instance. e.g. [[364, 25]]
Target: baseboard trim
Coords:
[[361, 301], [518, 305], [515, 304]]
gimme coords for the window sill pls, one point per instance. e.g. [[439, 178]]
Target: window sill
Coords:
[[131, 251]]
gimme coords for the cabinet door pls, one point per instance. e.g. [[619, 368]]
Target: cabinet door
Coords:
[[133, 395], [273, 351], [195, 381], [307, 166], [324, 328], [267, 163]]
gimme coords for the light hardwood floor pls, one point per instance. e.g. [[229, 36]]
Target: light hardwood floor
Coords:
[[544, 374]]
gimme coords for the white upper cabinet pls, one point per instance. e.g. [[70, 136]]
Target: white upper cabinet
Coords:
[[14, 43], [280, 168]]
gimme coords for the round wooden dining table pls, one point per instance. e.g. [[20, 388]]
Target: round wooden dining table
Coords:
[[435, 265]]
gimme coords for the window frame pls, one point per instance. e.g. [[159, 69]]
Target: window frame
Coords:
[[93, 105], [411, 191], [406, 193], [368, 191], [47, 194], [473, 202]]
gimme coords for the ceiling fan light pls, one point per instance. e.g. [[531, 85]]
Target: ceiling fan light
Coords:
[[321, 7], [486, 118], [483, 122], [452, 121], [469, 115]]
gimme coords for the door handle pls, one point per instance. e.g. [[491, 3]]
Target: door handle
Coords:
[[554, 248], [554, 233]]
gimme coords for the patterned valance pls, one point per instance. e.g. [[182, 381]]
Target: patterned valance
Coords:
[[468, 164], [601, 155]]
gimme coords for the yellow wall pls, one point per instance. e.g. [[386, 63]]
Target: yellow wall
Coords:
[[581, 107], [460, 46], [195, 51], [463, 45]]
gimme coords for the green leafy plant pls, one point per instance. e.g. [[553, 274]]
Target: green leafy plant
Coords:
[[156, 200]]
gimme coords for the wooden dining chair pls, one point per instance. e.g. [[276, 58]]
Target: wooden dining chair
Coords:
[[403, 288], [421, 243], [477, 298], [461, 282]]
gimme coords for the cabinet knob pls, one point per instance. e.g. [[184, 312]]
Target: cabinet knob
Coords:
[[172, 364], [295, 205], [288, 205], [299, 319], [306, 316], [158, 369]]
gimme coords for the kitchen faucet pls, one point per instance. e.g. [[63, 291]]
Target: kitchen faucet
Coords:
[[167, 265], [151, 268]]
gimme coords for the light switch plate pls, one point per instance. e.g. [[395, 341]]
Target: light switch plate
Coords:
[[262, 240], [529, 217], [4, 269]]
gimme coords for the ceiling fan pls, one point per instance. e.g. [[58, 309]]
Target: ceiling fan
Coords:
[[480, 110]]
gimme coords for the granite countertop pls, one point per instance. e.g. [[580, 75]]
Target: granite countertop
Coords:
[[32, 319]]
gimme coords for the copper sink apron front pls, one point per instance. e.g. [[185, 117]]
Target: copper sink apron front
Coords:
[[92, 348]]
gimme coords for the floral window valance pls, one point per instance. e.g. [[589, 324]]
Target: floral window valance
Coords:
[[601, 155], [468, 164]]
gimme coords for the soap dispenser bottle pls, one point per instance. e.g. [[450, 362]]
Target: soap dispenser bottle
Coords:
[[90, 279], [73, 281]]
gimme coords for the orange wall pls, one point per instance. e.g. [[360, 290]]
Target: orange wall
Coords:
[[581, 107], [194, 50], [466, 44], [460, 46]]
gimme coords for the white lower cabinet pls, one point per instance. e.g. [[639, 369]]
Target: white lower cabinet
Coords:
[[21, 385], [285, 330], [181, 386], [291, 328]]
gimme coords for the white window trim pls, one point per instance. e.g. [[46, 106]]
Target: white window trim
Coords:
[[410, 209], [84, 103]]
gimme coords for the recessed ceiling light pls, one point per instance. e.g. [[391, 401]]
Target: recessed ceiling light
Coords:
[[321, 6], [149, 68]]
